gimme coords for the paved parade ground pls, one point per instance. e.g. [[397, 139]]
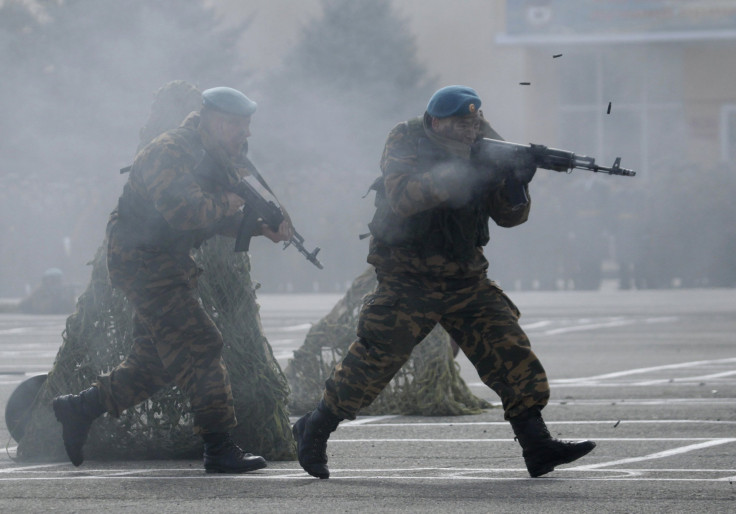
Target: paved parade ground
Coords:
[[649, 375]]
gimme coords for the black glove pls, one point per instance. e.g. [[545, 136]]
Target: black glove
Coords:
[[516, 184], [524, 170], [515, 193]]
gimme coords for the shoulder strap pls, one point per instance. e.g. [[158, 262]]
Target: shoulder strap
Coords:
[[248, 164]]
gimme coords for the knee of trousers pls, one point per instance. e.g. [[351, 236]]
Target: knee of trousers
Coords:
[[361, 375], [385, 326], [203, 344]]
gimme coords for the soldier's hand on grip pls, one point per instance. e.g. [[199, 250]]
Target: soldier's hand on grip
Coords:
[[284, 233], [525, 169], [234, 203]]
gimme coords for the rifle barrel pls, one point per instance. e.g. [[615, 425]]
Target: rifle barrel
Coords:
[[616, 169], [297, 240]]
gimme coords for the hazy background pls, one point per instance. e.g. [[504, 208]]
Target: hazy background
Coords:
[[331, 79]]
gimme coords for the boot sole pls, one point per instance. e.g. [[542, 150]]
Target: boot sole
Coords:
[[256, 466]]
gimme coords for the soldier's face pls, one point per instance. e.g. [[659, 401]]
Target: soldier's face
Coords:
[[458, 128], [233, 132]]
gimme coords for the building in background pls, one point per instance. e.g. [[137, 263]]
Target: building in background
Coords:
[[650, 81], [666, 67]]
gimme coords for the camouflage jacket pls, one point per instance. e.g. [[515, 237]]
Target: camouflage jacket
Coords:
[[175, 196], [422, 223]]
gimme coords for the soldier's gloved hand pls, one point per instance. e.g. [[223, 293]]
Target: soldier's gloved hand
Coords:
[[284, 233], [524, 170]]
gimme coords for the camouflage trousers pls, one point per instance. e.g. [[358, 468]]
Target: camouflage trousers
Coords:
[[405, 308], [175, 341]]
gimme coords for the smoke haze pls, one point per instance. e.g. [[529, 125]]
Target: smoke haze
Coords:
[[331, 79]]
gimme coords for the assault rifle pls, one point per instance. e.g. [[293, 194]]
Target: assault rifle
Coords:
[[497, 154], [258, 210]]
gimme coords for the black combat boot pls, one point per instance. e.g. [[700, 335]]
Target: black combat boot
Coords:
[[76, 412], [540, 450], [311, 432], [222, 455]]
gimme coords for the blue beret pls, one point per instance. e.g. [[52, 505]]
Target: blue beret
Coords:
[[453, 101], [228, 100]]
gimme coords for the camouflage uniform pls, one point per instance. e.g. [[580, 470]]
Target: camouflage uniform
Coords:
[[426, 246], [172, 202]]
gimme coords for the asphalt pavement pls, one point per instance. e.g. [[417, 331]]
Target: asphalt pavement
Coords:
[[649, 375]]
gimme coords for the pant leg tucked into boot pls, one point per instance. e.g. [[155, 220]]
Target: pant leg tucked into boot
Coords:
[[541, 451], [311, 432], [76, 412]]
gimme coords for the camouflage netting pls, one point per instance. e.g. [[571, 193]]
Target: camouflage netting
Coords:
[[429, 384], [97, 338]]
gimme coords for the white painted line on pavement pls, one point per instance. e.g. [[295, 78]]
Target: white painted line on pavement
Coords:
[[14, 331], [538, 324], [368, 420], [636, 371], [623, 383], [661, 319], [708, 441], [657, 455], [442, 473], [700, 378], [584, 324], [18, 376], [420, 440], [583, 422], [646, 402], [592, 326], [28, 468], [293, 328]]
